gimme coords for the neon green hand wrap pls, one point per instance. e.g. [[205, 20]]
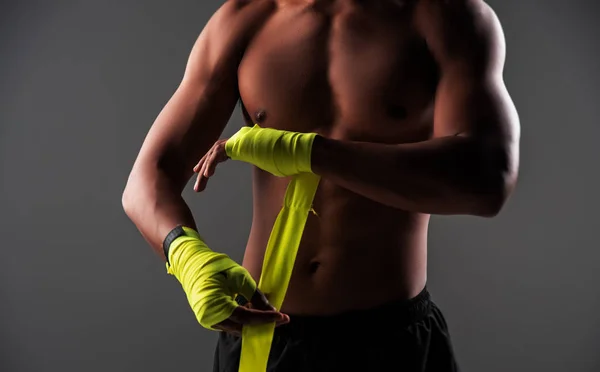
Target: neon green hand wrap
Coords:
[[278, 265], [279, 152], [210, 280]]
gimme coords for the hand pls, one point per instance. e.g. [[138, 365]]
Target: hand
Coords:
[[207, 165], [257, 311]]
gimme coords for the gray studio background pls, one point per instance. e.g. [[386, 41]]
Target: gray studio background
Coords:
[[80, 291]]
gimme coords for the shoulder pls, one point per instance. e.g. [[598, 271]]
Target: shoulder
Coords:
[[245, 5], [229, 29], [236, 18], [460, 28], [244, 10], [454, 8]]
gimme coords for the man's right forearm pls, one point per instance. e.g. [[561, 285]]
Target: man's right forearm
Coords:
[[155, 205], [210, 280]]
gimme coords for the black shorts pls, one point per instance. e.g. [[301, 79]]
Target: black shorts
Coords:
[[410, 335]]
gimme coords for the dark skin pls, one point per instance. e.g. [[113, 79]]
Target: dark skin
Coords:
[[413, 119]]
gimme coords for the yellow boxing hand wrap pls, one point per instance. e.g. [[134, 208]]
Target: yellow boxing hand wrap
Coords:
[[210, 280], [278, 265], [279, 152]]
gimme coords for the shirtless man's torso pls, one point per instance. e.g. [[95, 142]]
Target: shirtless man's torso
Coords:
[[353, 71], [379, 72]]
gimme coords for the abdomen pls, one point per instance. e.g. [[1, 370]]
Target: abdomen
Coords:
[[354, 253]]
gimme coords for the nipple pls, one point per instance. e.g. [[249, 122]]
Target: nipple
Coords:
[[260, 116]]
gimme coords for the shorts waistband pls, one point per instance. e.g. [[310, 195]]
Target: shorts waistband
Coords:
[[400, 312]]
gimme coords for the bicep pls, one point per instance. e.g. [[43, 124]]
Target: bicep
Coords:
[[467, 41], [198, 111], [477, 106], [186, 127]]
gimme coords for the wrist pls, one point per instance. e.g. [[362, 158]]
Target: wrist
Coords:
[[301, 150], [279, 152], [190, 250], [319, 150], [174, 238]]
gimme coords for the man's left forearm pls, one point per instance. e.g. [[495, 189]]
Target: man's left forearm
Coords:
[[449, 175]]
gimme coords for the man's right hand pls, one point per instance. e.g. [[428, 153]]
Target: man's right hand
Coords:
[[211, 280], [256, 311]]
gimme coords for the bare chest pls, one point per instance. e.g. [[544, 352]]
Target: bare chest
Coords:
[[352, 75]]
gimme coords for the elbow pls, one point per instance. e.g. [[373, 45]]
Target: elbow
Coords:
[[490, 206], [130, 197], [492, 197], [496, 183], [498, 171], [127, 202]]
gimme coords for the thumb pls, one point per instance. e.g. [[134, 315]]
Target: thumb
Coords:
[[244, 315], [259, 301]]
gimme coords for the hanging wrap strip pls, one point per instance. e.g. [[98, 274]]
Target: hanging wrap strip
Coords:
[[278, 265]]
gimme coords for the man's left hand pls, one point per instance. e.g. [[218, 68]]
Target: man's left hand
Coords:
[[279, 152], [207, 165]]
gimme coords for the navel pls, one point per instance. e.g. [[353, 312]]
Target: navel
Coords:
[[397, 112], [314, 266]]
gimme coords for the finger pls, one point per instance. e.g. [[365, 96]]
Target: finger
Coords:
[[211, 164], [197, 166], [206, 161], [260, 301], [199, 176], [252, 316], [229, 326], [232, 327], [285, 320], [200, 184], [229, 331], [219, 155], [197, 183], [202, 180]]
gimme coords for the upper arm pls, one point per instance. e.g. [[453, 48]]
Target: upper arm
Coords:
[[467, 41], [196, 114]]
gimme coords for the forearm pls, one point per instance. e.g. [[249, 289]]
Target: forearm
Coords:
[[209, 279], [155, 205], [450, 175]]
